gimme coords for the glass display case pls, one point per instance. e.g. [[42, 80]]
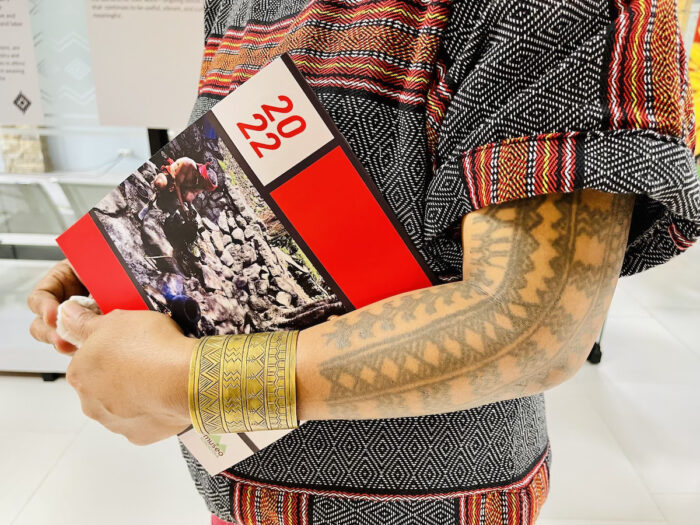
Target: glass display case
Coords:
[[81, 166], [51, 174]]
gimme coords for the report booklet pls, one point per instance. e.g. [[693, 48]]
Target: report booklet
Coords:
[[257, 217]]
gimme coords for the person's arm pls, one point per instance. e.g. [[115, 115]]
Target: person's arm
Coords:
[[539, 275]]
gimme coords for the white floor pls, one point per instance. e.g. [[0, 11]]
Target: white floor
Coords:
[[625, 433]]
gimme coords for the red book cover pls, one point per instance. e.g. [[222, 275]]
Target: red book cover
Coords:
[[256, 217]]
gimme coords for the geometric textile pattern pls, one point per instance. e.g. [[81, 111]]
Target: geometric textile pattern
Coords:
[[647, 79], [434, 453], [514, 503], [452, 106], [263, 506], [612, 73], [634, 161], [495, 444], [383, 49]]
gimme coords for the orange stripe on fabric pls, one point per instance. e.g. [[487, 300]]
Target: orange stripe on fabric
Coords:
[[391, 42], [512, 166], [301, 35], [665, 80], [551, 171], [288, 508], [540, 160], [248, 504], [513, 508], [483, 177], [387, 40], [473, 510], [633, 77], [492, 509], [538, 493], [268, 507]]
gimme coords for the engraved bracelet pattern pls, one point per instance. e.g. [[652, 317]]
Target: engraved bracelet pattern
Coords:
[[243, 383]]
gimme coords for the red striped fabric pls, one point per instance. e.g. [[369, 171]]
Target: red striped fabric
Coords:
[[503, 171], [257, 503], [382, 47], [647, 77]]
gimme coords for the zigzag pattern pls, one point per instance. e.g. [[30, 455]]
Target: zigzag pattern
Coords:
[[207, 385], [244, 382], [231, 381]]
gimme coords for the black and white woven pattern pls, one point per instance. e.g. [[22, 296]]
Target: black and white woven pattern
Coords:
[[515, 69], [538, 67]]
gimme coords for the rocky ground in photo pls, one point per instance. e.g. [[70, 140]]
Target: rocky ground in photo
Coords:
[[244, 271]]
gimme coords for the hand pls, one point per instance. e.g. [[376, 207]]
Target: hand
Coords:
[[130, 371], [56, 286]]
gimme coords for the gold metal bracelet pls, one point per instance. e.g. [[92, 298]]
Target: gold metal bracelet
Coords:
[[244, 382]]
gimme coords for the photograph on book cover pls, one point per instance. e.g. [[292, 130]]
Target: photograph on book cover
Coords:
[[204, 247]]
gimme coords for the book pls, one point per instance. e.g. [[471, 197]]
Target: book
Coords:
[[256, 217]]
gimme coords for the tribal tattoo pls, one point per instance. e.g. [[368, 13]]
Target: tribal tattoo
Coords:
[[539, 275]]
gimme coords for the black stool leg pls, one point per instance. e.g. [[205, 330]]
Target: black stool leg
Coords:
[[596, 353]]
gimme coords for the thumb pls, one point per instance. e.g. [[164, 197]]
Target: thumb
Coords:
[[75, 323]]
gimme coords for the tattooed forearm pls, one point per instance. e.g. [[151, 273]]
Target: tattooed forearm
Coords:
[[539, 275]]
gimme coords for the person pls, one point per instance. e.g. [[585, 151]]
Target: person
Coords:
[[169, 226], [534, 152], [184, 177]]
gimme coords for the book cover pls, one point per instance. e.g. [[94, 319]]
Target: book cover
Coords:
[[257, 217]]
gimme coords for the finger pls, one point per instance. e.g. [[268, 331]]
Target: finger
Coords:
[[46, 334], [72, 285], [63, 346], [41, 331], [57, 285], [44, 304], [76, 323]]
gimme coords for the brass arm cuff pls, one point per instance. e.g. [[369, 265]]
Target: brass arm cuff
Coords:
[[243, 383]]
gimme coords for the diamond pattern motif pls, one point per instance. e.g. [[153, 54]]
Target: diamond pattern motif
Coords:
[[513, 69]]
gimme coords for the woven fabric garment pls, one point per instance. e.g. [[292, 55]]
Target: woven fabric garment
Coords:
[[518, 502], [453, 106]]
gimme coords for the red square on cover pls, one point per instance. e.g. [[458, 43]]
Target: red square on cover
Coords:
[[347, 229]]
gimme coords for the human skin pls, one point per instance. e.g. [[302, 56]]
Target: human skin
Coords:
[[539, 275]]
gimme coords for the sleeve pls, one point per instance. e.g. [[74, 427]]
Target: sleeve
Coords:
[[559, 96]]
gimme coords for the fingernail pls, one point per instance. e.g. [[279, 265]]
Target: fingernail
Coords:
[[71, 309]]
